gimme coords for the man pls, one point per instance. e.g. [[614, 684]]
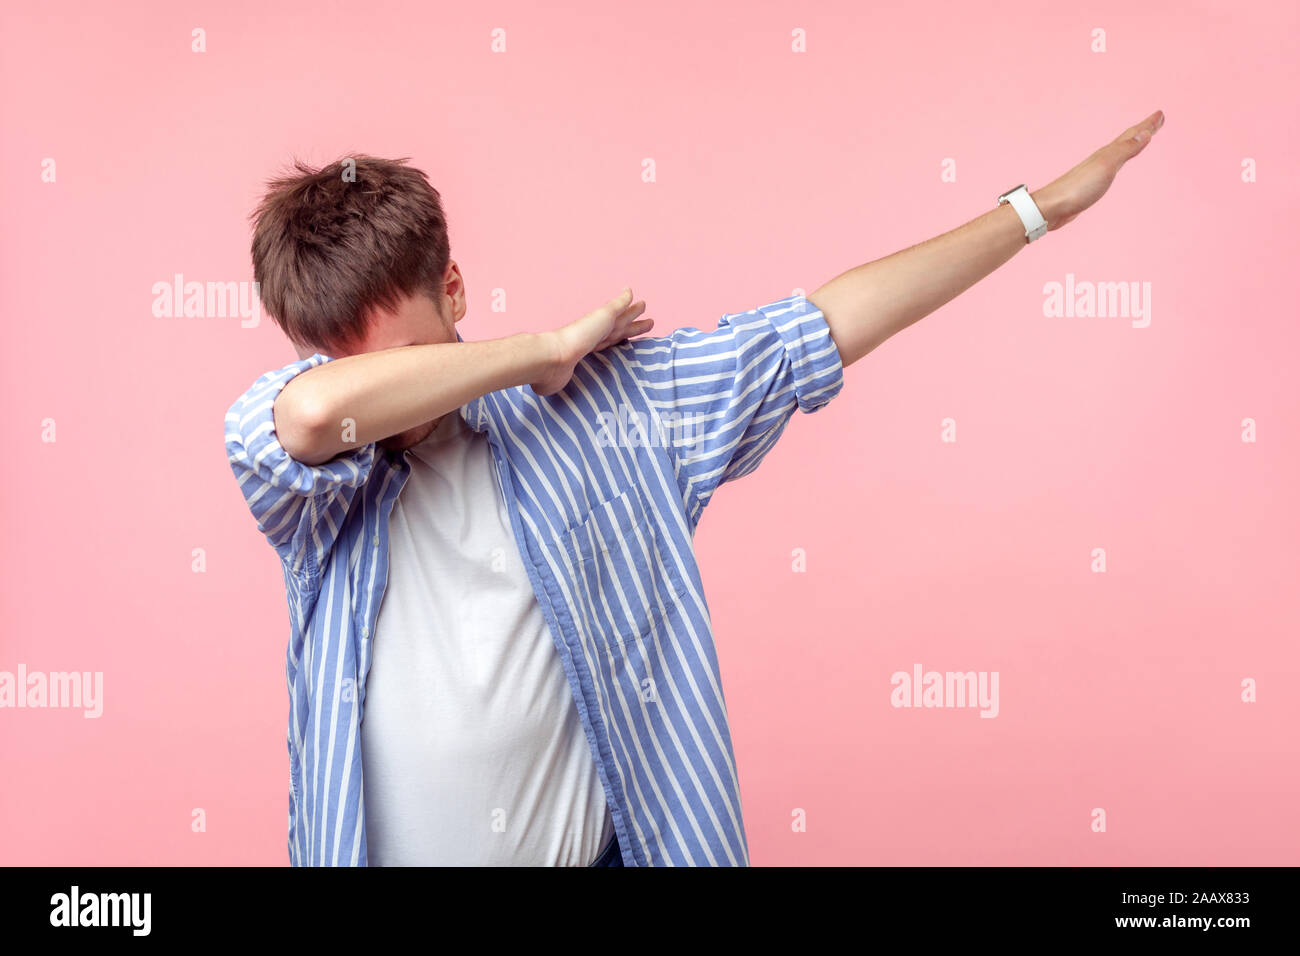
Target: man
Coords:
[[500, 651]]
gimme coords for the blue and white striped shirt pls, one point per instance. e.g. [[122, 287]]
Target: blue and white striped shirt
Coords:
[[605, 482]]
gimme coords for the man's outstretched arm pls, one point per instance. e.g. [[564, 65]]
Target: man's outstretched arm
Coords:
[[868, 304]]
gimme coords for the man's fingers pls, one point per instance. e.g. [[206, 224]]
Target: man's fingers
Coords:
[[1130, 142], [631, 312], [616, 320], [623, 332], [1150, 125], [1134, 139], [618, 303], [639, 327], [617, 329], [603, 319], [611, 310]]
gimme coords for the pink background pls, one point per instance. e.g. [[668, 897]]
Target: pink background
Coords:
[[776, 171]]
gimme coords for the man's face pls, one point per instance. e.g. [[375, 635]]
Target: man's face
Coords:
[[417, 320]]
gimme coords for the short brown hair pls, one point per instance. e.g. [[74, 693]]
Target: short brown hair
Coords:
[[329, 247]]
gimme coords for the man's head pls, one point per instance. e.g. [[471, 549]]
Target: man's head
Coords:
[[354, 257]]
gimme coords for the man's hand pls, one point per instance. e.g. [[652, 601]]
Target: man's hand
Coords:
[[1068, 195], [611, 323]]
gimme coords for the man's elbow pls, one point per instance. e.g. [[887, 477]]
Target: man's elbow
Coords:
[[305, 426]]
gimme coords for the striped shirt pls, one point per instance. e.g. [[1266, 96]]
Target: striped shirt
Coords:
[[605, 482]]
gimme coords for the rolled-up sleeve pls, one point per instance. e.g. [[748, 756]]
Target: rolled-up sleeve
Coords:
[[299, 507], [726, 395]]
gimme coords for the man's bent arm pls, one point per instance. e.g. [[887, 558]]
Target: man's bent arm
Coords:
[[866, 305], [389, 391]]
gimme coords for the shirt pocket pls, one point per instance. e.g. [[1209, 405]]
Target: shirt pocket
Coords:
[[625, 580]]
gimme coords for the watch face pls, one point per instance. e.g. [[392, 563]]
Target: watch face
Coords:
[[1003, 197]]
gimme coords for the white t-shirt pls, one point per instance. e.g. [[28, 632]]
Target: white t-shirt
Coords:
[[472, 750]]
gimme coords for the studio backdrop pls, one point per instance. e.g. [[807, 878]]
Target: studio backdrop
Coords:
[[1074, 487]]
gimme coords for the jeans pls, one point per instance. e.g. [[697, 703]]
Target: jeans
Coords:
[[611, 855]]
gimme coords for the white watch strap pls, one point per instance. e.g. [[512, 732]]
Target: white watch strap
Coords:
[[1027, 210]]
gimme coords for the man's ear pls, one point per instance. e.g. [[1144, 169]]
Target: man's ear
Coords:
[[453, 284]]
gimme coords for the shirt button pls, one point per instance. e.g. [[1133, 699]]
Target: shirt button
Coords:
[[376, 539], [365, 630]]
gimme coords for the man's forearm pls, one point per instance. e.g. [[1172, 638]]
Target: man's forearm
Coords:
[[387, 392], [871, 302]]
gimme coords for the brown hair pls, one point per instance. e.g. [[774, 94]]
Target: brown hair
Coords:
[[329, 247]]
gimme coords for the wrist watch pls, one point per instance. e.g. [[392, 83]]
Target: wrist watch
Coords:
[[1027, 210]]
